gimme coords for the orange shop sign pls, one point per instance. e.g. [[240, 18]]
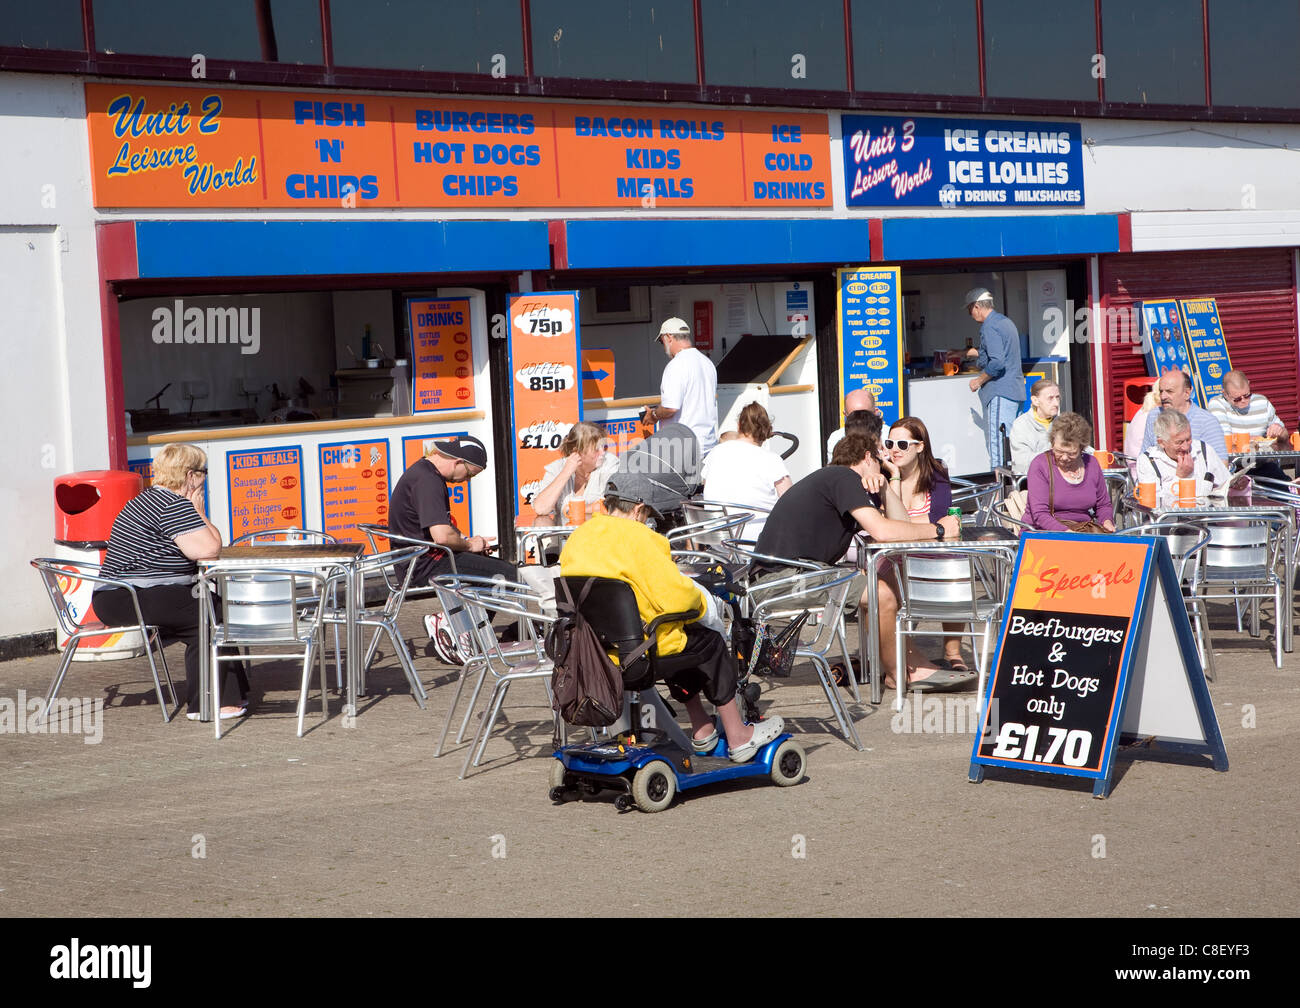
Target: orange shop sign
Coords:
[[193, 147]]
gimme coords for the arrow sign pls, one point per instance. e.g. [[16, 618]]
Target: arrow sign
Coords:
[[600, 375]]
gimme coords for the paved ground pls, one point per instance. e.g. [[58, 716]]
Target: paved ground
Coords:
[[160, 819]]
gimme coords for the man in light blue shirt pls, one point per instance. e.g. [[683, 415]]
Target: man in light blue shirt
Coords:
[[1001, 382], [1175, 391]]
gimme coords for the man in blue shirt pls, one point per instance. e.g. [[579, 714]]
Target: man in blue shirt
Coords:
[[1175, 391], [1001, 382]]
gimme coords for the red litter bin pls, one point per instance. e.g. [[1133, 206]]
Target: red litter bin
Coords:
[[85, 507], [1135, 390]]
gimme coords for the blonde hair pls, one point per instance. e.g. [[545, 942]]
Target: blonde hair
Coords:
[[582, 436], [174, 463]]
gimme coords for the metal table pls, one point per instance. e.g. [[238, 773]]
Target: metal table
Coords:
[[974, 539], [1209, 508], [529, 538], [291, 556]]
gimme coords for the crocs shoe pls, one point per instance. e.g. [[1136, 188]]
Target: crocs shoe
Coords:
[[764, 732], [705, 746]]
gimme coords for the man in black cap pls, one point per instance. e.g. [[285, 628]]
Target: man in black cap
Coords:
[[421, 509]]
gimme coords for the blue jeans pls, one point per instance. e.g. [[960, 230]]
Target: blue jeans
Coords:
[[999, 411]]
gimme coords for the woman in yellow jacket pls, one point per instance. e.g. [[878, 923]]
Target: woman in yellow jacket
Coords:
[[693, 658]]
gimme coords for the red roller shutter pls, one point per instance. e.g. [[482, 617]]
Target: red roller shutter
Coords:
[[1255, 291]]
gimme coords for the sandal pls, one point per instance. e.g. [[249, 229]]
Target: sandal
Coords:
[[841, 675]]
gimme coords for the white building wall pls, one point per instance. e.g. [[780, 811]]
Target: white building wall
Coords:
[[52, 382]]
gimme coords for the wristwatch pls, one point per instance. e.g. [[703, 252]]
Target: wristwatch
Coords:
[[938, 532]]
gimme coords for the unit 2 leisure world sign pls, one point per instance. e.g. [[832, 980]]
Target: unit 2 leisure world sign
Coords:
[[917, 161], [183, 146]]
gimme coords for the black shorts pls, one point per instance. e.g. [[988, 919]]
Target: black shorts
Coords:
[[706, 665]]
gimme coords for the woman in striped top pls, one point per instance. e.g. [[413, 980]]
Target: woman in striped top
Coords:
[[921, 483], [155, 544]]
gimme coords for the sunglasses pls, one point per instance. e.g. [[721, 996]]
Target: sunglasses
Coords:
[[1244, 397], [902, 444], [203, 471]]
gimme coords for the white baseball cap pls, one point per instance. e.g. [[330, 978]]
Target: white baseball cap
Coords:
[[673, 327]]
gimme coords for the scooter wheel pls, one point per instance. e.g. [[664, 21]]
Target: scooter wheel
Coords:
[[623, 802], [654, 787], [788, 764], [559, 792]]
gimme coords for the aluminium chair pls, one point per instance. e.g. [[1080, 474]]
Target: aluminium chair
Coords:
[[965, 586], [1186, 542], [57, 576], [382, 618], [475, 600], [1240, 564], [267, 607]]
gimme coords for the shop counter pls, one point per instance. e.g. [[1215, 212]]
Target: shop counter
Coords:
[[326, 475], [955, 419]]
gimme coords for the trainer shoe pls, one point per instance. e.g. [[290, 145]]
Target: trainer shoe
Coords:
[[764, 732], [448, 648]]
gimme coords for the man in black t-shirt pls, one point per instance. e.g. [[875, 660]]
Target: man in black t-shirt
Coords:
[[421, 509], [817, 518]]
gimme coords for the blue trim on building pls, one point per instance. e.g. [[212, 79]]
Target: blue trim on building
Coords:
[[992, 237], [211, 248], [646, 244]]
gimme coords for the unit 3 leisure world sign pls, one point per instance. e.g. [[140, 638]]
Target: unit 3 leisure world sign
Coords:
[[198, 147], [915, 161]]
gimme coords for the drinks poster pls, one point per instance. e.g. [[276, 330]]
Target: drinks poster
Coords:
[[265, 489], [354, 482], [442, 373], [1209, 348], [1163, 341], [545, 385]]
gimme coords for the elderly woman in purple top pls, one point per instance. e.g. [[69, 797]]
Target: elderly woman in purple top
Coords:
[[1066, 484]]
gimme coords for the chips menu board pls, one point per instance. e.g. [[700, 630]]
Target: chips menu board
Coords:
[[354, 487], [545, 385], [442, 375], [871, 336], [265, 487]]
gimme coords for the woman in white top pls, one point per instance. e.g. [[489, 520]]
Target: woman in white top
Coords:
[[582, 470], [741, 471]]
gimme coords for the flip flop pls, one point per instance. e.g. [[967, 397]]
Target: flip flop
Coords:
[[942, 681]]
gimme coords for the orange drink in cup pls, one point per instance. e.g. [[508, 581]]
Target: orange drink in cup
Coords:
[[1295, 440], [1104, 458], [1238, 442], [1146, 494], [1186, 493], [577, 510]]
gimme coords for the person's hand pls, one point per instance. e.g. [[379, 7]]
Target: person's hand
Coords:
[[195, 497], [487, 543], [975, 384], [1186, 466], [951, 526], [1275, 430], [873, 481], [888, 467], [1108, 525]]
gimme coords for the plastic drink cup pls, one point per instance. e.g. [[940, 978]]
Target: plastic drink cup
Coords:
[[577, 510], [1186, 493], [1295, 440], [1146, 494], [1104, 458]]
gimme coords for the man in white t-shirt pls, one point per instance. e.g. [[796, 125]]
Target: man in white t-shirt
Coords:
[[858, 399], [688, 391]]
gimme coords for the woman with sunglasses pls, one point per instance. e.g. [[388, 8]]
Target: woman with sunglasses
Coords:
[[155, 545], [919, 485]]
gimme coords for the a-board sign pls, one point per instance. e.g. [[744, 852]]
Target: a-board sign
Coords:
[[1208, 347], [414, 447], [1095, 642], [545, 385], [871, 336], [1165, 345], [355, 479], [442, 351], [265, 489]]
